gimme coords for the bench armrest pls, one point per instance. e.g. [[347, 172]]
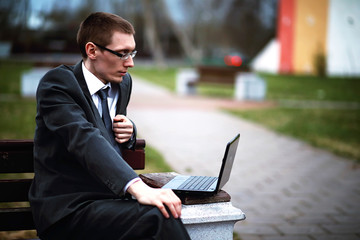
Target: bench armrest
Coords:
[[136, 158]]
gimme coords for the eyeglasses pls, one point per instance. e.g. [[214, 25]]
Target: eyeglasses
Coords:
[[122, 56]]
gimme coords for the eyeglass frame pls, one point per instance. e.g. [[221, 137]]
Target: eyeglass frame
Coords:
[[124, 56]]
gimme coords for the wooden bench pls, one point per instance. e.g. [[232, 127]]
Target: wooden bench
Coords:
[[188, 79], [247, 85], [219, 74], [16, 157]]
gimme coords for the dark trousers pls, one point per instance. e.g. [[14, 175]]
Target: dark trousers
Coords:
[[117, 219]]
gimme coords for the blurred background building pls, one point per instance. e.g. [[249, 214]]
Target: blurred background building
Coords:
[[314, 37]]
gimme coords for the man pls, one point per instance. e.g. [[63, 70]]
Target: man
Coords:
[[81, 181]]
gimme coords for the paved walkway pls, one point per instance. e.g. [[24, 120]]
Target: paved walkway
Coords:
[[287, 189]]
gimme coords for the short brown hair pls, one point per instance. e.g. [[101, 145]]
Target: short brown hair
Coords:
[[99, 27]]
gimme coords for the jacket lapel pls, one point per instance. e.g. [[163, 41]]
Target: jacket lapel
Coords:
[[98, 121], [120, 102], [125, 89]]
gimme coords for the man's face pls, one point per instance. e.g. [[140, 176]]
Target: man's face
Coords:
[[110, 68]]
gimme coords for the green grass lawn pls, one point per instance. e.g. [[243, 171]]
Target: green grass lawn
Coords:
[[161, 77], [336, 130], [10, 73], [18, 118], [312, 88]]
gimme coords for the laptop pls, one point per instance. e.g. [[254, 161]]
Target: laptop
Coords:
[[205, 185]]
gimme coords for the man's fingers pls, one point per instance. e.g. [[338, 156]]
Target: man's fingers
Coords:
[[122, 135], [169, 202], [123, 131], [120, 118], [173, 211], [164, 199], [122, 138], [122, 127], [162, 209], [174, 204]]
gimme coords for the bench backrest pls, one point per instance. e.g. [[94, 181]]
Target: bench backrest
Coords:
[[219, 74], [16, 162]]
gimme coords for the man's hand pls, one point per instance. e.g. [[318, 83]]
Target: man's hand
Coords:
[[156, 197], [123, 128]]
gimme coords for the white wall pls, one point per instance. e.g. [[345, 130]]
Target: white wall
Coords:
[[268, 58], [343, 39]]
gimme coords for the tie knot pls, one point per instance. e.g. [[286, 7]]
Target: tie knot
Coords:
[[103, 93]]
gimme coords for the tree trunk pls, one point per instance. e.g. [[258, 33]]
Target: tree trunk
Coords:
[[151, 34], [188, 47]]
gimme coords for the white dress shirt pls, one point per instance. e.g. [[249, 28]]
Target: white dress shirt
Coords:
[[94, 85]]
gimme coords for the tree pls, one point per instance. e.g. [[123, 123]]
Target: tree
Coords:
[[193, 29], [191, 51], [151, 33], [14, 17]]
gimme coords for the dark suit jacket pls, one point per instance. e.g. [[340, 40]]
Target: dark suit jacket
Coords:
[[74, 160]]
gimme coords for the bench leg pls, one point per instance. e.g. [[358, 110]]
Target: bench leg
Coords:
[[218, 230], [211, 221]]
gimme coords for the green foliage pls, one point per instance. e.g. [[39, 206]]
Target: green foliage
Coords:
[[320, 64]]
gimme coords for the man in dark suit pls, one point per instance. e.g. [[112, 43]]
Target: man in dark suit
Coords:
[[82, 184]]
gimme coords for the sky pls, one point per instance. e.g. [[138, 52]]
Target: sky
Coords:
[[37, 6]]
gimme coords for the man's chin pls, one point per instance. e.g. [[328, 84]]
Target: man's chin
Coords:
[[117, 80]]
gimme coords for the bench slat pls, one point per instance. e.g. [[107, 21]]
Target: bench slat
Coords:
[[15, 156], [219, 74], [16, 219], [14, 190]]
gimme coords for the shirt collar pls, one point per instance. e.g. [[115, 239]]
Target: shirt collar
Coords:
[[93, 83]]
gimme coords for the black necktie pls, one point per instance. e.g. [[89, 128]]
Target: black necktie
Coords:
[[103, 93]]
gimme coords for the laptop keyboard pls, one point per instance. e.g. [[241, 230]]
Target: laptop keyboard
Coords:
[[197, 183]]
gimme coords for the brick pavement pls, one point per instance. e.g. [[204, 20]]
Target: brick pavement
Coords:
[[287, 189]]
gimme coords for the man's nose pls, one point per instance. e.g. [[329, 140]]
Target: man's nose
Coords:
[[129, 62]]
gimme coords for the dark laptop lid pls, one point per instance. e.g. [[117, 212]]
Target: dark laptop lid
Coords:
[[227, 163]]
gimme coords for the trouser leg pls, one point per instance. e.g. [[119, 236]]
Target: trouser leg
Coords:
[[118, 219]]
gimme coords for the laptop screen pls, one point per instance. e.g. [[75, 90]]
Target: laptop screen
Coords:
[[228, 161]]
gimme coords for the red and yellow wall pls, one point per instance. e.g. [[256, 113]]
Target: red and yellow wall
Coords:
[[302, 35]]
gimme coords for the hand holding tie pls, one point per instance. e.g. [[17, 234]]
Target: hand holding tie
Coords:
[[123, 128]]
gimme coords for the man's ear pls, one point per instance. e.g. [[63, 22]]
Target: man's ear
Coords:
[[90, 49]]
